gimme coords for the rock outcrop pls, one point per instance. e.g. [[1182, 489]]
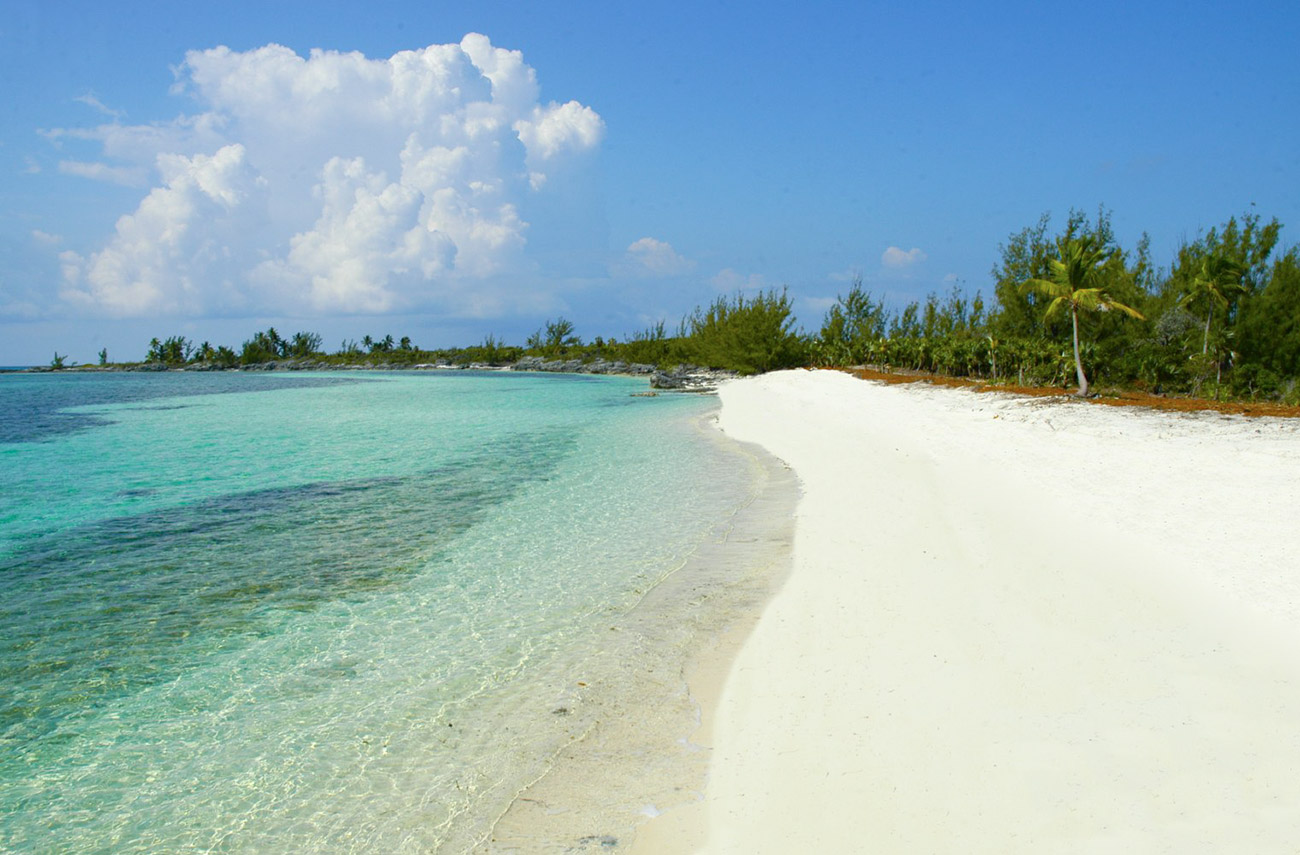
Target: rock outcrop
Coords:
[[577, 366], [690, 378]]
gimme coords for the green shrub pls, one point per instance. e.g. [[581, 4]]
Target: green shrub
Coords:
[[748, 335]]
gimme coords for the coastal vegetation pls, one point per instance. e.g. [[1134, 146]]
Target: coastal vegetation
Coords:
[[1068, 307], [744, 334], [1076, 278], [1223, 321]]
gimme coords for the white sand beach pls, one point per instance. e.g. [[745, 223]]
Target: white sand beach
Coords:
[[1012, 625]]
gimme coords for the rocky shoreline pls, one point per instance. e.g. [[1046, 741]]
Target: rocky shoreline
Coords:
[[680, 378]]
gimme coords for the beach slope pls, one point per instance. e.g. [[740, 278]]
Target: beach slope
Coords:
[[1013, 626]]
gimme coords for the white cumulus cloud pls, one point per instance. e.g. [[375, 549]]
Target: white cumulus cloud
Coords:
[[333, 182], [650, 257], [552, 129], [172, 255], [367, 242], [899, 257]]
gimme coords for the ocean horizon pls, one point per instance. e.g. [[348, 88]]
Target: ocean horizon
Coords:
[[324, 613]]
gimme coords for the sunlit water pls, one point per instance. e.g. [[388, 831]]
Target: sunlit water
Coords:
[[328, 613]]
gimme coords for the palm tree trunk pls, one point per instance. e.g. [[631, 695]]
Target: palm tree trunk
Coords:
[[1078, 363], [1205, 343]]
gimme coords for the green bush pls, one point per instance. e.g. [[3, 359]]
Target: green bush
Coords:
[[749, 335]]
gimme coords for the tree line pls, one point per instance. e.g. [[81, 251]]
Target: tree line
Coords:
[[743, 333], [1076, 308], [1068, 308]]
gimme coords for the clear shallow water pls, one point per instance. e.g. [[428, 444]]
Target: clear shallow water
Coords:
[[249, 613]]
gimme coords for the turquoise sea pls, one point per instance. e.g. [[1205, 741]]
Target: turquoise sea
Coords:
[[320, 613]]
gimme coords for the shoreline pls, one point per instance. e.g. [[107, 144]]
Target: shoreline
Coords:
[[953, 666], [392, 716], [692, 378], [680, 378], [643, 760]]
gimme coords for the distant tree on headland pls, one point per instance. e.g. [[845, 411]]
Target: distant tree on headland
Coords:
[[175, 350], [269, 346], [303, 345], [555, 339]]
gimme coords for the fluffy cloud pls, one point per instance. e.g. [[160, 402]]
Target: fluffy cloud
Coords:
[[650, 257], [174, 251], [332, 182], [367, 243], [898, 257], [552, 129]]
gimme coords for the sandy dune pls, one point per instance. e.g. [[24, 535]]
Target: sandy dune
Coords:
[[1012, 626]]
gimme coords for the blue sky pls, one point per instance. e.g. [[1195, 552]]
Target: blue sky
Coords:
[[625, 164]]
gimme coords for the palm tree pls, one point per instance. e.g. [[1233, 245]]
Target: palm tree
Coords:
[[275, 344], [1076, 282], [1217, 281]]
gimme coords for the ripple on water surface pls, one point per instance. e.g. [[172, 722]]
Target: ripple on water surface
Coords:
[[323, 616]]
